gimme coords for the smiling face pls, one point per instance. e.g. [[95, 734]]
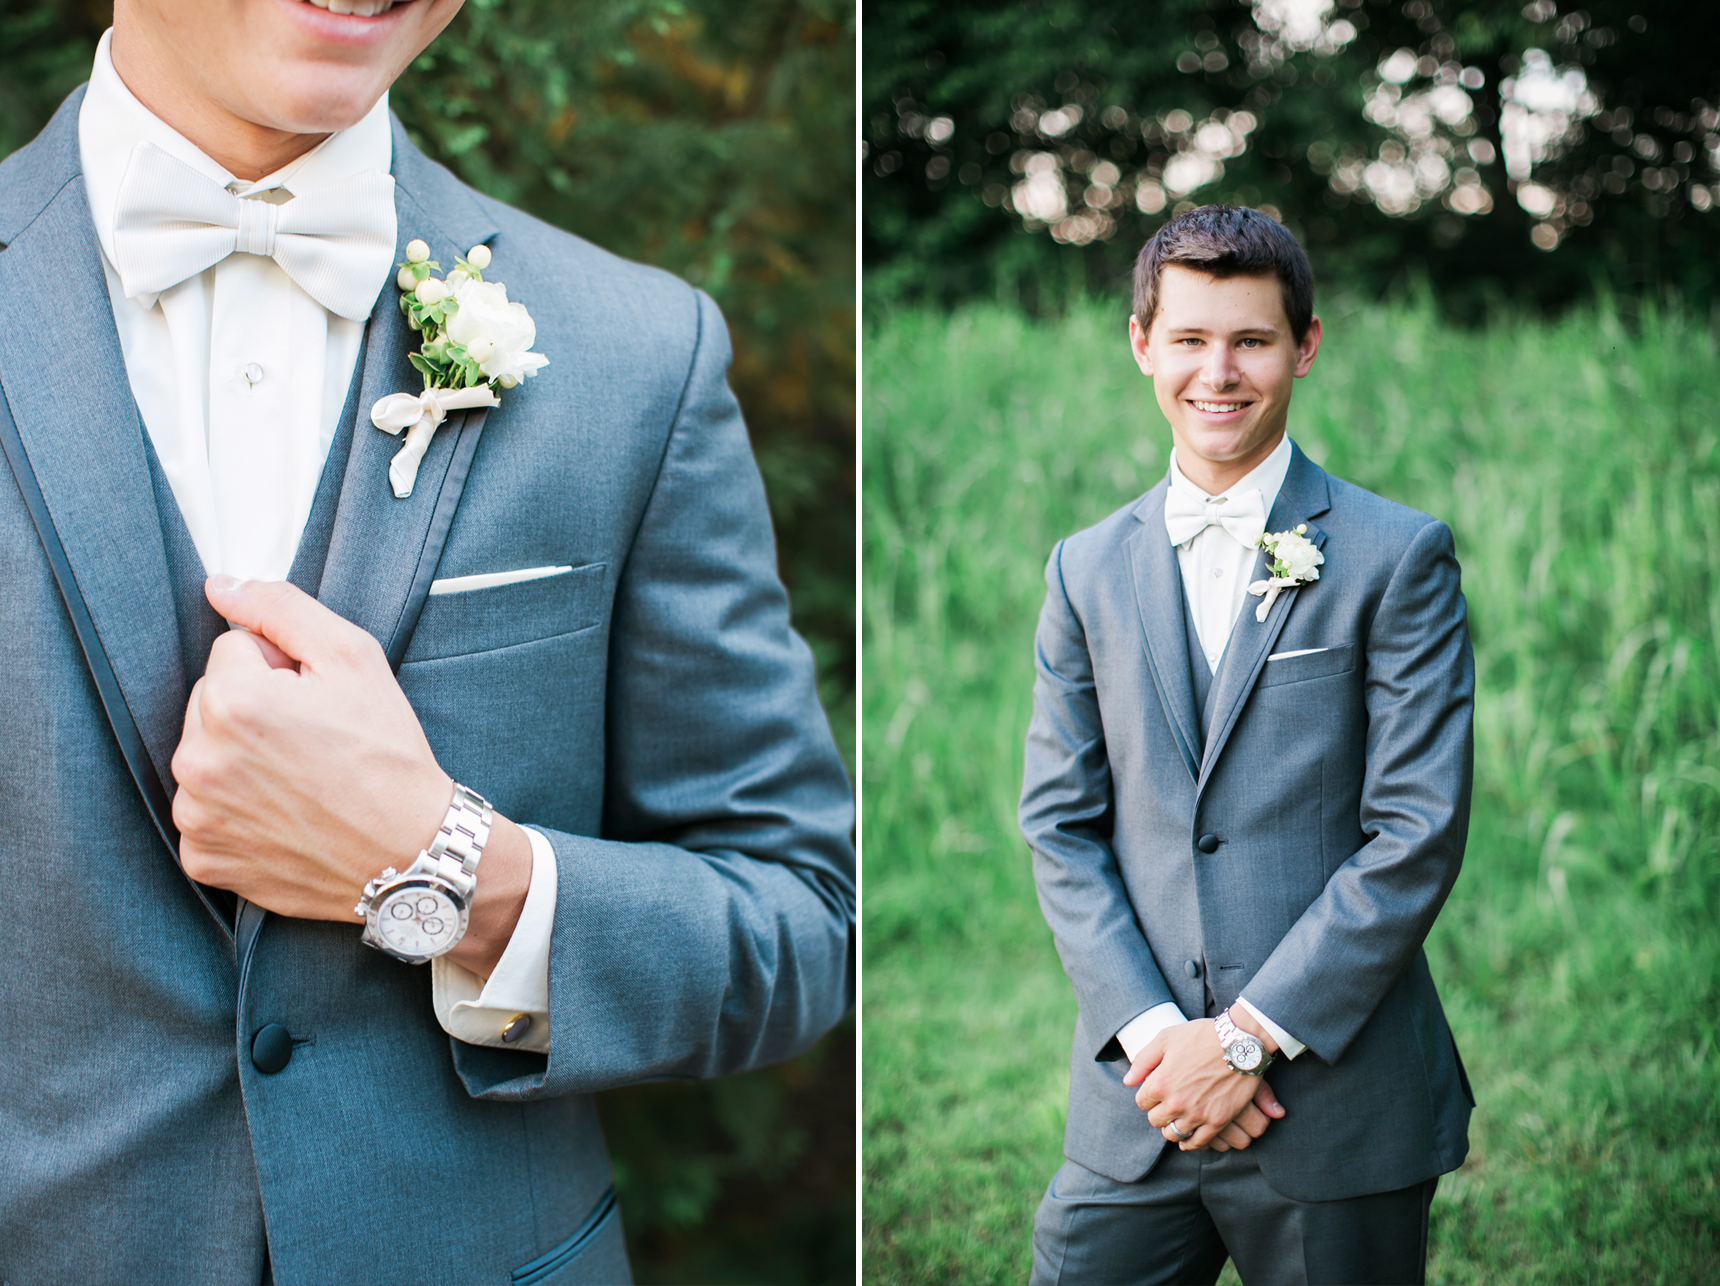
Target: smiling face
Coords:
[[1223, 360], [256, 82]]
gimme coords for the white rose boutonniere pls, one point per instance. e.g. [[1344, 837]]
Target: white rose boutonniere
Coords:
[[495, 333], [474, 340], [1295, 561]]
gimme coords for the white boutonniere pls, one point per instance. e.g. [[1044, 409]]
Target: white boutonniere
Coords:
[[1295, 561], [474, 340]]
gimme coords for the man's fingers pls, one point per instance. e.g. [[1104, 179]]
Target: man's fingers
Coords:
[[284, 615], [1267, 1101], [1252, 1121], [1231, 1136], [1145, 1061], [241, 650], [277, 659], [1203, 1137]]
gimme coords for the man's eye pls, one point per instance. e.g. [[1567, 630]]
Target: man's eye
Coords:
[[1251, 343]]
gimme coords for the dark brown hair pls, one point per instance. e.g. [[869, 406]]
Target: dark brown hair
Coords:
[[1228, 241]]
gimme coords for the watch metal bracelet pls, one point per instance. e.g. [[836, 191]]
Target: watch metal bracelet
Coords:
[[460, 841]]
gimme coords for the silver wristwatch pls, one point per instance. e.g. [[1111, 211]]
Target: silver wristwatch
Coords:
[[1242, 1050], [421, 913]]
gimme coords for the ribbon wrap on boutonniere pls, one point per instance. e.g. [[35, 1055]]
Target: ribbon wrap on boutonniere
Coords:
[[1294, 561], [475, 340]]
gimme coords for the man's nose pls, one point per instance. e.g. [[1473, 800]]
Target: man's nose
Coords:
[[1220, 370]]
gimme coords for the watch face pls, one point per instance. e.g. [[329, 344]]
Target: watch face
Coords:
[[419, 920], [1246, 1053]]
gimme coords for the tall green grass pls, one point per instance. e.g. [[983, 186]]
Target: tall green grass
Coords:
[[1578, 463]]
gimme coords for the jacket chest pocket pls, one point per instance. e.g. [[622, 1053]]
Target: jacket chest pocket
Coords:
[[500, 616], [1297, 667]]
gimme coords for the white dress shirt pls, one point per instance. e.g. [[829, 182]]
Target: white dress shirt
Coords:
[[240, 378], [1215, 568]]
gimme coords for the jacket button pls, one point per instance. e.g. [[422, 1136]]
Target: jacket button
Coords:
[[1192, 968], [272, 1049], [1207, 843]]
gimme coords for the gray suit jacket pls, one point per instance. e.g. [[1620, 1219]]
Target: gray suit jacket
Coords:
[[1337, 786], [652, 713]]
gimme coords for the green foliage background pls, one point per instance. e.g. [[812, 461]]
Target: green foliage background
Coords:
[[713, 139], [1578, 464]]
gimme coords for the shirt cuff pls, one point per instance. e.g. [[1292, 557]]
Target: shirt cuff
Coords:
[[1288, 1045], [1139, 1031], [476, 1011]]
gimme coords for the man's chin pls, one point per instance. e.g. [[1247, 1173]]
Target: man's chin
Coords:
[[315, 98], [1227, 446]]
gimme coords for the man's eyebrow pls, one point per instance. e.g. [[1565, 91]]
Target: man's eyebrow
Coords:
[[1262, 328]]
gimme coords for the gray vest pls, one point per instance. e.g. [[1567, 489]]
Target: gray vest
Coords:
[[1205, 683], [200, 624]]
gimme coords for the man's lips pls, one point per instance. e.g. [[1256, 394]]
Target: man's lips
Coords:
[[1228, 406], [348, 18], [356, 8]]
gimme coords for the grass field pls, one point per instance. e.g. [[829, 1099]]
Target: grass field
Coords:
[[1578, 462]]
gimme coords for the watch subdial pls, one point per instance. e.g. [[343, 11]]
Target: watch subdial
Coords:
[[419, 923]]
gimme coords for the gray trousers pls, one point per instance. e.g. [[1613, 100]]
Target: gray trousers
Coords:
[[1196, 1209]]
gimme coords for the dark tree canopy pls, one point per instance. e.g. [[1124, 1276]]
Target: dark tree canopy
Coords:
[[1497, 150]]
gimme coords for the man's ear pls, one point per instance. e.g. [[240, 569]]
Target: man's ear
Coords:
[[1309, 346], [1138, 345]]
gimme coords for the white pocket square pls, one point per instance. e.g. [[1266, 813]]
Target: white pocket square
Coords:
[[460, 584], [1276, 656]]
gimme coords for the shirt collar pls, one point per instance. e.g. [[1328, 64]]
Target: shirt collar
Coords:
[[112, 122], [1267, 477]]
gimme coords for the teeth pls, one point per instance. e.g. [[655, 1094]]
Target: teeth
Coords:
[[1219, 408], [356, 8]]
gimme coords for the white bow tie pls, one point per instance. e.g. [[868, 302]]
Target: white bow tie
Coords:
[[336, 242], [1242, 515]]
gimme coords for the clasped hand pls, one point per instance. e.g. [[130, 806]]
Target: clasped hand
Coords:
[[303, 771], [1183, 1077]]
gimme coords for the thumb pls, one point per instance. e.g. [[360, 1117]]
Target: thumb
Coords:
[[285, 616], [1267, 1101]]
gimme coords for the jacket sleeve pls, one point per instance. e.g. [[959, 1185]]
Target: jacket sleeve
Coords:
[[1327, 975], [1066, 816], [708, 931]]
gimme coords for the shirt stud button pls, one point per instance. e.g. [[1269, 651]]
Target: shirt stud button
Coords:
[[254, 373]]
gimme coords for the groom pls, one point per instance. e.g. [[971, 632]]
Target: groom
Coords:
[[541, 722], [1247, 794]]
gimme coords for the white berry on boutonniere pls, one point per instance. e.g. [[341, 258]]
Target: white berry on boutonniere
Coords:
[[475, 339], [1295, 561]]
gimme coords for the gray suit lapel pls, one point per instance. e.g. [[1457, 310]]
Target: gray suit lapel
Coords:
[[383, 551], [1303, 497], [64, 377], [1157, 583]]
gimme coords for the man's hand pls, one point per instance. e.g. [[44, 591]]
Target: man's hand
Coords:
[[303, 772], [1183, 1077]]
